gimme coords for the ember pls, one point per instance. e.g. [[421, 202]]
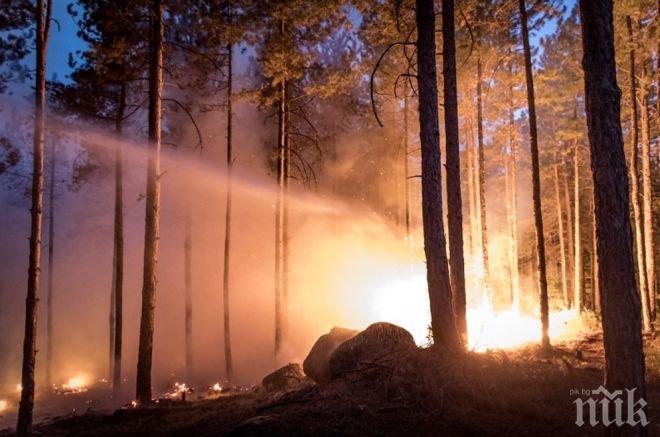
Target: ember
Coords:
[[77, 384]]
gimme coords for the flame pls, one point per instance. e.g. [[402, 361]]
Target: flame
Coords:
[[216, 387], [403, 300], [76, 384], [19, 387], [177, 391], [3, 405]]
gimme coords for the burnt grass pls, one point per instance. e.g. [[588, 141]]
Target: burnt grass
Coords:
[[420, 392]]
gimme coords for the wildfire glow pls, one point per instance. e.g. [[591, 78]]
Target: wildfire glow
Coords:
[[19, 388], [404, 302], [3, 405], [76, 384]]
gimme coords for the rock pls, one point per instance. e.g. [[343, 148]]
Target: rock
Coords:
[[369, 346], [316, 363], [289, 377]]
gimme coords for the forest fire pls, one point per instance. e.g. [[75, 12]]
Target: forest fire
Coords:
[[76, 384], [3, 405]]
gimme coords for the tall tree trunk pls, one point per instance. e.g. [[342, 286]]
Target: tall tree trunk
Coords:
[[624, 356], [406, 169], [229, 365], [569, 226], [513, 207], [152, 219], [51, 240], [482, 181], [560, 232], [536, 180], [279, 213], [118, 258], [286, 238], [647, 198], [634, 185], [187, 290], [577, 250], [454, 201], [26, 407], [443, 325], [471, 191]]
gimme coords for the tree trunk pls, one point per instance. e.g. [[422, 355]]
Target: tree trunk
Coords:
[[286, 248], [51, 239], [513, 208], [560, 232], [445, 334], [482, 181], [647, 199], [26, 407], [577, 250], [118, 266], [634, 186], [624, 356], [229, 365], [406, 169], [595, 283], [471, 190], [152, 219], [454, 201], [279, 213], [569, 226], [187, 286], [536, 180]]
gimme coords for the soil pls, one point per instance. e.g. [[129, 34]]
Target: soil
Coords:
[[420, 392]]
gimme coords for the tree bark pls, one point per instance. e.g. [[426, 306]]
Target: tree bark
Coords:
[[187, 286], [445, 334], [406, 169], [279, 212], [634, 185], [118, 258], [51, 239], [152, 218], [471, 190], [26, 407], [482, 181], [536, 180], [624, 356], [454, 201], [647, 198], [595, 282], [577, 250], [513, 208], [560, 232], [569, 226], [229, 365]]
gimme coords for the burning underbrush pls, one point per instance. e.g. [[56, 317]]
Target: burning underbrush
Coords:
[[512, 392]]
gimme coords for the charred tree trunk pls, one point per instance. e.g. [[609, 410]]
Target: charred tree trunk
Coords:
[[454, 201], [118, 258], [624, 356], [634, 186], [536, 180], [471, 191], [51, 239], [229, 366], [443, 325], [187, 290], [577, 250], [595, 283], [560, 232], [406, 169], [26, 407], [286, 248], [152, 219]]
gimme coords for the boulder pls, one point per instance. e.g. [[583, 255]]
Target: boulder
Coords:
[[316, 363], [374, 343], [289, 377]]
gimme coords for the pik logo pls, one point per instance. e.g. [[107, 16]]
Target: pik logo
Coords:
[[610, 408]]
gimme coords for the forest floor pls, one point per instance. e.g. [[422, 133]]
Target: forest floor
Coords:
[[521, 392]]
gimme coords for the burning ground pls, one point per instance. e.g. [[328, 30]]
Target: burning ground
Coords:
[[518, 391]]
